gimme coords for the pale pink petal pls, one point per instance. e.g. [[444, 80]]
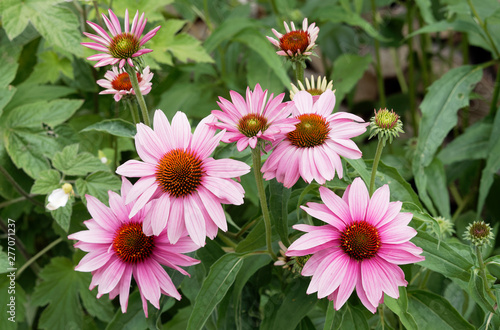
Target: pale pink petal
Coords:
[[336, 204], [358, 200], [148, 283], [195, 222], [136, 169], [378, 205]]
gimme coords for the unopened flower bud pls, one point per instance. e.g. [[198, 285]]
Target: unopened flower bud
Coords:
[[479, 233], [386, 125]]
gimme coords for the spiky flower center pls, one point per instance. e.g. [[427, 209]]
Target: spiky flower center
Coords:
[[360, 240], [179, 172], [131, 245], [386, 119], [251, 124], [310, 132], [124, 45], [295, 41], [479, 230], [122, 82]]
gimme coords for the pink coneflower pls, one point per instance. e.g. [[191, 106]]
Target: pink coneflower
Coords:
[[121, 46], [296, 43], [186, 184], [247, 122], [360, 246], [118, 83], [312, 150], [118, 250]]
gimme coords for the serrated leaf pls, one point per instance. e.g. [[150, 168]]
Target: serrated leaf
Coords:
[[228, 29], [97, 184], [278, 209], [133, 319], [185, 47], [59, 288], [46, 182], [5, 97], [400, 308], [70, 162], [9, 55], [117, 127], [50, 67], [15, 17], [220, 278], [28, 93], [62, 215], [432, 311], [100, 308]]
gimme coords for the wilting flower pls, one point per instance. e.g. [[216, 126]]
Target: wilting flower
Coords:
[[312, 151], [295, 44], [120, 47], [117, 82], [186, 185], [59, 197], [479, 233], [118, 250], [257, 118], [361, 245], [314, 89]]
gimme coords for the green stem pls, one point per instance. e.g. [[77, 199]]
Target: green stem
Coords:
[[411, 72], [483, 26], [226, 239], [381, 312], [299, 72], [262, 196], [482, 273], [38, 255], [134, 111], [424, 59], [19, 189], [399, 72], [207, 16], [378, 67], [14, 201], [140, 99], [245, 227], [376, 160], [494, 99]]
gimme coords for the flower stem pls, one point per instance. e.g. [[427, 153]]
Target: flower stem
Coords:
[[38, 255], [411, 72], [262, 196], [140, 99], [483, 26], [134, 111], [380, 146], [378, 67], [19, 189], [299, 72], [482, 273]]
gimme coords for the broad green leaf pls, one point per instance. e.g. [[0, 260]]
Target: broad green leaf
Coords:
[[333, 318], [46, 182], [432, 311], [15, 17], [63, 214], [400, 308], [70, 162], [98, 308], [492, 163], [292, 307], [59, 287], [19, 300], [425, 9], [439, 115], [361, 169], [256, 239], [29, 149], [437, 187], [97, 184], [264, 48], [220, 278], [478, 293], [278, 207], [347, 71], [473, 144], [4, 261], [265, 76], [28, 93], [442, 258], [348, 317], [51, 113], [117, 127], [251, 265], [5, 97], [9, 55], [227, 30], [153, 9], [185, 47], [133, 319], [50, 67]]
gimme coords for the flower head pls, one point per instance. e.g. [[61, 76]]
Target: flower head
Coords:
[[479, 233], [120, 47], [314, 89], [360, 246], [117, 82], [386, 124], [59, 197], [185, 185], [312, 151], [256, 118], [296, 44], [444, 228], [118, 250]]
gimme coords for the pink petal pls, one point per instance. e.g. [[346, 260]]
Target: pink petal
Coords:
[[358, 200], [124, 287], [336, 205], [325, 104], [182, 130], [322, 212], [225, 168], [136, 169], [158, 215], [213, 207], [149, 146], [102, 214], [148, 283], [378, 205], [142, 200], [111, 276], [140, 187], [347, 285], [93, 261], [176, 224]]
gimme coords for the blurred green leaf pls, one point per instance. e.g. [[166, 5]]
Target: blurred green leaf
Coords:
[[133, 319], [117, 127], [437, 187], [20, 304], [9, 55], [70, 162], [63, 214], [220, 278], [425, 9], [4, 261], [400, 308], [97, 184], [5, 97], [50, 67], [46, 182], [227, 30], [478, 293], [348, 317], [30, 93], [278, 207]]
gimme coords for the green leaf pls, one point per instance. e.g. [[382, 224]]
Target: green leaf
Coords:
[[59, 288], [63, 214], [264, 48], [400, 308], [333, 318], [492, 163], [278, 207], [473, 144], [425, 9], [5, 97], [70, 162], [4, 261], [227, 30], [117, 127], [360, 167], [29, 93], [439, 115], [51, 113], [133, 319], [292, 307], [15, 17], [46, 182], [348, 317], [97, 184], [220, 278], [347, 71], [153, 12], [19, 300], [251, 265], [432, 311], [99, 308], [437, 187], [50, 67], [478, 293], [256, 239], [442, 258], [9, 55]]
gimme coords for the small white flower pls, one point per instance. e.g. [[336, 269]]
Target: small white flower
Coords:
[[59, 197], [104, 160]]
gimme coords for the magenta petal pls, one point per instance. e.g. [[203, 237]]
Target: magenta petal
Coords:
[[336, 204], [370, 277], [346, 287], [363, 297], [313, 239], [102, 214], [142, 200], [148, 283], [93, 261], [176, 224], [124, 286], [225, 168], [111, 276], [322, 212], [165, 282], [140, 187]]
